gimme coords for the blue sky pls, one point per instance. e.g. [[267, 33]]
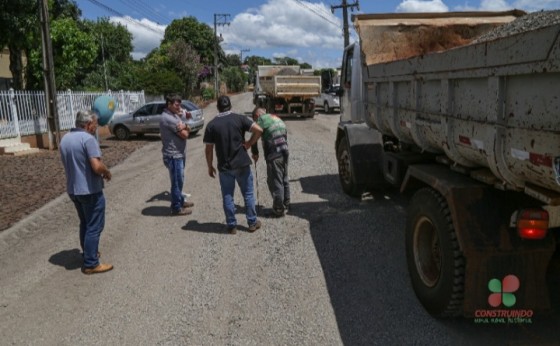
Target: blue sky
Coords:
[[304, 30]]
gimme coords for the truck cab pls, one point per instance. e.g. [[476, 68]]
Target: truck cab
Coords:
[[351, 102]]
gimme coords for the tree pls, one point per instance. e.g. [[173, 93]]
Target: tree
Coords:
[[158, 82], [64, 9], [187, 63], [163, 70], [234, 78], [114, 39], [290, 61], [72, 49], [327, 76], [233, 60], [254, 61], [285, 61], [198, 35], [113, 57], [18, 25]]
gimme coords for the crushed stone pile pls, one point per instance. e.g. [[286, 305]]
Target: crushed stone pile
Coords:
[[528, 22]]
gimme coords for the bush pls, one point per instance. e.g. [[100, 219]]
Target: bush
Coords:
[[208, 94]]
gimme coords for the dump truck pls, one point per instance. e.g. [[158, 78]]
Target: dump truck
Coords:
[[464, 124], [286, 91]]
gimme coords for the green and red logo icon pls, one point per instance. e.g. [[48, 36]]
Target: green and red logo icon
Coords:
[[502, 291]]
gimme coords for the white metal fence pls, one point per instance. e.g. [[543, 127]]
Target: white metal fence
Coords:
[[24, 112]]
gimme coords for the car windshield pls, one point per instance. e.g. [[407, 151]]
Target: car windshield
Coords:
[[189, 106]]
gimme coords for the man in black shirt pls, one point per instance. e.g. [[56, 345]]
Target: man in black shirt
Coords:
[[226, 133]]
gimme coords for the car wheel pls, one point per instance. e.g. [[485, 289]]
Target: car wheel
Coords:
[[326, 107], [122, 133]]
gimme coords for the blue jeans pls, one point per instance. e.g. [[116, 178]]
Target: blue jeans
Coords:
[[176, 169], [244, 179], [91, 211]]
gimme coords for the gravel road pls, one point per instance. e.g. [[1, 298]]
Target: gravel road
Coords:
[[332, 272]]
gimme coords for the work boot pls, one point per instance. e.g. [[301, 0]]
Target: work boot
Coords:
[[101, 268], [188, 204], [182, 211], [255, 226]]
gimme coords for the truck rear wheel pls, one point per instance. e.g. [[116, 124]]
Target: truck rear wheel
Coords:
[[435, 261], [345, 171]]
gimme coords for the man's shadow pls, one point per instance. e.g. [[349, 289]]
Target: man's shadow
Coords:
[[215, 227], [162, 196], [158, 210], [69, 259]]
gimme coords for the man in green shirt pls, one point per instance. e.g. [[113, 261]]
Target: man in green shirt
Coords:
[[275, 145]]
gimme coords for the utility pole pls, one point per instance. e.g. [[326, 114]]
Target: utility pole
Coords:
[[48, 76], [344, 7], [219, 19], [104, 65], [241, 54]]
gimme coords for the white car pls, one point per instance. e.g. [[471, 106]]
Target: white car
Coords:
[[329, 99], [146, 120]]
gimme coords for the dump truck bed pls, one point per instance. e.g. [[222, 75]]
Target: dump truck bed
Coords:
[[287, 82], [492, 107], [397, 36]]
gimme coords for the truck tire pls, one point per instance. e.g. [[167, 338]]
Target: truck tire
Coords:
[[345, 171], [435, 262], [326, 107]]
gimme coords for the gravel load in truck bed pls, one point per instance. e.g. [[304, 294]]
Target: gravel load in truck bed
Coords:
[[528, 22]]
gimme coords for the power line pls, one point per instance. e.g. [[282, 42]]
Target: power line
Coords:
[[127, 18], [143, 9], [306, 6]]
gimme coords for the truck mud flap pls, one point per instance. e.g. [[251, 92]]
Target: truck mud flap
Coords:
[[366, 154]]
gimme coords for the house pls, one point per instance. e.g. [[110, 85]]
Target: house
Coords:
[[5, 74], [6, 78]]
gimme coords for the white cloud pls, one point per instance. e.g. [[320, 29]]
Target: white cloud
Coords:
[[145, 36], [296, 29], [287, 26], [422, 6]]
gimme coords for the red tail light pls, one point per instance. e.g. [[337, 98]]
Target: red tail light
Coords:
[[532, 223]]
